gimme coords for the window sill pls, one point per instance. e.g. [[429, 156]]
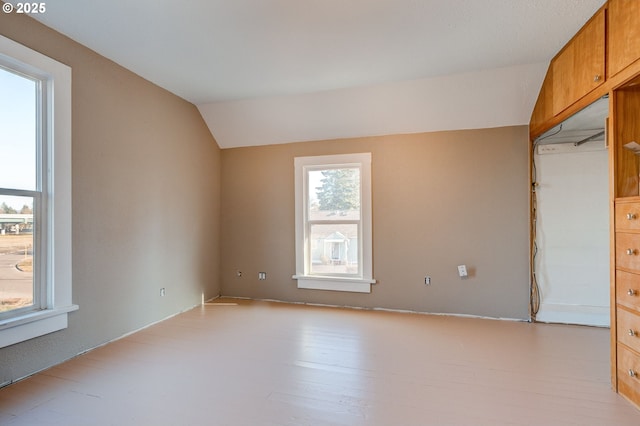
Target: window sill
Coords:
[[33, 324], [354, 285]]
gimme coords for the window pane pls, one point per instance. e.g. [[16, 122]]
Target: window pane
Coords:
[[334, 194], [334, 249], [16, 252], [17, 131]]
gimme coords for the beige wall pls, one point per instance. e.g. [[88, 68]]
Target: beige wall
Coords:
[[149, 182], [146, 191], [439, 200]]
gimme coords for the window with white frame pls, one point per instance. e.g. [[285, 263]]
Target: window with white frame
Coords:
[[35, 193], [333, 222]]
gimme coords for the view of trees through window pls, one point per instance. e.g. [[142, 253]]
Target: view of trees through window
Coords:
[[339, 190]]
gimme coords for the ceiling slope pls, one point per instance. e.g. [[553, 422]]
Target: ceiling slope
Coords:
[[481, 99], [223, 54]]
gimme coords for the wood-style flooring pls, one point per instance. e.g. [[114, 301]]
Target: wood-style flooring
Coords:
[[238, 362]]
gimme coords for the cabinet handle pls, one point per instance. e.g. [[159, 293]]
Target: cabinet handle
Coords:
[[632, 373], [596, 78], [631, 252], [632, 333], [631, 216], [631, 292]]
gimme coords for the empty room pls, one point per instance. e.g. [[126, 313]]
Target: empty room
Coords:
[[260, 212]]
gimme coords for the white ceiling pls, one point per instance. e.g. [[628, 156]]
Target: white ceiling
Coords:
[[239, 57]]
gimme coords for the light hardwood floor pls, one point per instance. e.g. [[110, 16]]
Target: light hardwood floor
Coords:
[[238, 362]]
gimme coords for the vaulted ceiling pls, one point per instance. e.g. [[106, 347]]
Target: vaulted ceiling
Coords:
[[274, 71]]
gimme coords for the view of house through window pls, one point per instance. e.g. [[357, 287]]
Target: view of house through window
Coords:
[[18, 188]]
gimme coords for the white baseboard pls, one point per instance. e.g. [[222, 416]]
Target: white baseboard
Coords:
[[598, 316]]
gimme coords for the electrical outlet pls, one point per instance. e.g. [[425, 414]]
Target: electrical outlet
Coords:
[[262, 276], [462, 271], [162, 292], [427, 280], [238, 273]]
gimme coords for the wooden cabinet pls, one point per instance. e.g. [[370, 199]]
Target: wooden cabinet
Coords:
[[628, 331], [625, 322], [579, 67], [628, 251], [627, 217], [628, 371], [626, 342], [623, 46], [626, 130], [627, 290], [600, 58]]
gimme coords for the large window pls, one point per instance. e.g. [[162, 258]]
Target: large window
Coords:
[[21, 183], [35, 194], [333, 222]]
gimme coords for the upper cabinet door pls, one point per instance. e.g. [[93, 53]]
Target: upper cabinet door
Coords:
[[579, 67], [624, 35]]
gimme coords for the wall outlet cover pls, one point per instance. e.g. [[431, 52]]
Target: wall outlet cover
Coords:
[[462, 270]]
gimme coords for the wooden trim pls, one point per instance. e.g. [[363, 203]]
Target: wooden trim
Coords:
[[543, 105], [532, 225], [611, 127]]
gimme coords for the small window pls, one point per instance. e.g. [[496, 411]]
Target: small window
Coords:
[[35, 193], [333, 222]]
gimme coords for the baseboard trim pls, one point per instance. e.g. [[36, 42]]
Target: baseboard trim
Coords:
[[405, 311]]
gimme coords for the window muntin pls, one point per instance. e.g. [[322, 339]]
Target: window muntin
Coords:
[[333, 222]]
